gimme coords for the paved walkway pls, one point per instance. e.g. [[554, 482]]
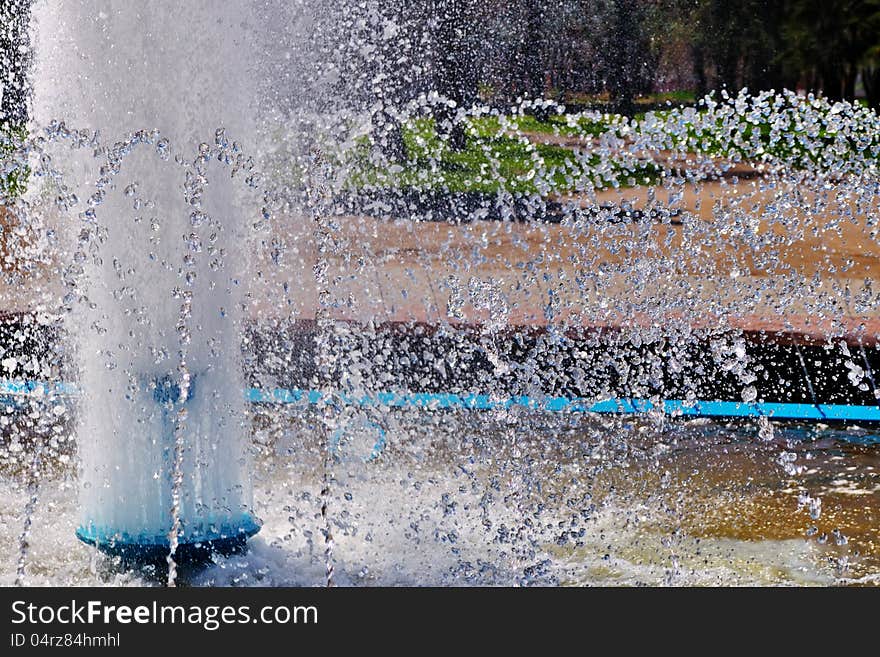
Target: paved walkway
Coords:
[[725, 266]]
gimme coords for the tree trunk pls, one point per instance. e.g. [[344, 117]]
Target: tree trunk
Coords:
[[622, 36], [871, 80], [849, 85], [699, 63], [531, 54], [455, 77], [727, 69], [832, 85]]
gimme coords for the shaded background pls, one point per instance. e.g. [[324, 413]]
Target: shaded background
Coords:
[[594, 52], [615, 52]]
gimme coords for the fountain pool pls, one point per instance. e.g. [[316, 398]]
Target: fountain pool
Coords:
[[266, 319]]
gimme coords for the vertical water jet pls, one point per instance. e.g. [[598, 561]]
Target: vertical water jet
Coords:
[[159, 257]]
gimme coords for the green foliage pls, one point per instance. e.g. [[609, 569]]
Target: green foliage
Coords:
[[574, 125], [498, 157], [677, 97], [571, 153], [13, 173], [778, 129]]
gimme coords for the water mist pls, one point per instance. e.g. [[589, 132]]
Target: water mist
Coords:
[[158, 311]]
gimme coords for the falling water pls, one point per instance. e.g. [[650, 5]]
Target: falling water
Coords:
[[157, 316], [486, 365]]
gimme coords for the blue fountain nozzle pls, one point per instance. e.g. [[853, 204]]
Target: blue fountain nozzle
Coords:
[[203, 533], [229, 537], [166, 389]]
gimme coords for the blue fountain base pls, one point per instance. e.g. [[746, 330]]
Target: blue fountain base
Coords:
[[223, 540]]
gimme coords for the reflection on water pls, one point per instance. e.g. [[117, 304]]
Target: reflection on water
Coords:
[[462, 498]]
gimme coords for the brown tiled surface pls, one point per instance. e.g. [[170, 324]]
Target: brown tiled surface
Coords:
[[704, 273]]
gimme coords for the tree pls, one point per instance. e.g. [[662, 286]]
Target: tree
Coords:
[[627, 58], [533, 51], [736, 43], [871, 76], [829, 41], [454, 65]]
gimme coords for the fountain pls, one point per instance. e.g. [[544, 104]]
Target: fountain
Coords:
[[157, 316], [284, 285]]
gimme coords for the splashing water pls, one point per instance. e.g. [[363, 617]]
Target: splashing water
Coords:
[[159, 269], [449, 343]]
